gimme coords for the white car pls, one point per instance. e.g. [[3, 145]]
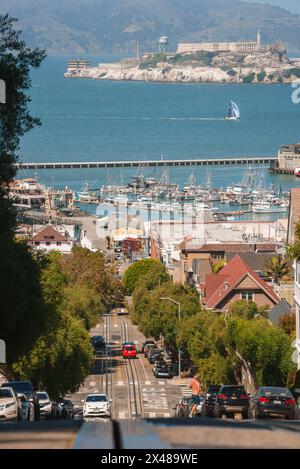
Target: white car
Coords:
[[97, 405], [10, 406], [46, 406], [27, 408]]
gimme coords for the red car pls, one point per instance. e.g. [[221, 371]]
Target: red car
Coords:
[[129, 351]]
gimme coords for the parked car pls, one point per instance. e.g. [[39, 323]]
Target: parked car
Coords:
[[98, 343], [46, 406], [161, 370], [96, 405], [27, 408], [67, 408], [148, 347], [147, 342], [121, 311], [26, 388], [149, 350], [129, 351], [10, 406], [155, 356], [232, 400], [273, 402], [210, 399]]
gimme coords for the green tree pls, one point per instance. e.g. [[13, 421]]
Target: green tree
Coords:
[[266, 350], [261, 75], [249, 78], [277, 267], [147, 272], [91, 269], [156, 317], [287, 322], [248, 309]]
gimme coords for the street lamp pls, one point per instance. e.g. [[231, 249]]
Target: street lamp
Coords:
[[179, 317]]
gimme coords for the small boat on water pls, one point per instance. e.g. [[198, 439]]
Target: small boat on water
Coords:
[[269, 207], [233, 112]]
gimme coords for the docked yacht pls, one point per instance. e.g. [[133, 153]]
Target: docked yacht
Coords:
[[269, 207]]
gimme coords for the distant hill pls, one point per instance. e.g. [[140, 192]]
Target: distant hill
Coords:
[[113, 26]]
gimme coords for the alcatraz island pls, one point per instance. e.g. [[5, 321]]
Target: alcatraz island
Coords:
[[216, 62]]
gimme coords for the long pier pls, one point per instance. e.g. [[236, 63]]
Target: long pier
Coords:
[[270, 160]]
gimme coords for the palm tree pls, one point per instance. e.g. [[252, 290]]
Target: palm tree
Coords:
[[277, 268]]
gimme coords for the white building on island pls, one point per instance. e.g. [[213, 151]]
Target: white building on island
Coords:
[[237, 47]]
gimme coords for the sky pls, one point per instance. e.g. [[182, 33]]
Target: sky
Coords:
[[291, 5]]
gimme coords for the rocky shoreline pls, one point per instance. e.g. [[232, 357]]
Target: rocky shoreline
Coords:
[[262, 68]]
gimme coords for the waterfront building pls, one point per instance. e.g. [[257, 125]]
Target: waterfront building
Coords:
[[289, 157], [237, 47], [78, 64]]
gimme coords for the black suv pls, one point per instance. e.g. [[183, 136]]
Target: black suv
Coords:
[[210, 399], [98, 343], [232, 400], [26, 388]]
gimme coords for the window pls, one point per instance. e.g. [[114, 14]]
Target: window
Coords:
[[58, 243], [37, 243], [48, 243], [185, 267], [247, 295]]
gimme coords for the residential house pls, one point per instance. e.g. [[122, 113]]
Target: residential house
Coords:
[[50, 238], [234, 282]]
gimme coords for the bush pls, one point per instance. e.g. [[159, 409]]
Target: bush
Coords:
[[249, 78], [261, 76]]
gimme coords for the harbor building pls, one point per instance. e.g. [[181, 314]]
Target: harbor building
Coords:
[[289, 157], [237, 47], [78, 64]]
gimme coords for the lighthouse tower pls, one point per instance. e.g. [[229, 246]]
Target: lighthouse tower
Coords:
[[258, 40]]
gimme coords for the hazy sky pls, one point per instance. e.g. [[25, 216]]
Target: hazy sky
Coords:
[[292, 5]]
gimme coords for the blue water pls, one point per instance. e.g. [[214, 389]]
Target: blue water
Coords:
[[97, 120]]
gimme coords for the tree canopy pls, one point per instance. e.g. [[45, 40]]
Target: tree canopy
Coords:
[[146, 272]]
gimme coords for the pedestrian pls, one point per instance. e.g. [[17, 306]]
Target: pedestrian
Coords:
[[196, 391]]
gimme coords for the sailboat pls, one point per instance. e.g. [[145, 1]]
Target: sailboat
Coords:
[[233, 112]]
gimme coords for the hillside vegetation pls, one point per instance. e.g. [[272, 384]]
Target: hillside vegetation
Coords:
[[105, 26]]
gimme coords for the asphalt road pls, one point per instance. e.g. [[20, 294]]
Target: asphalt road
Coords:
[[142, 410]]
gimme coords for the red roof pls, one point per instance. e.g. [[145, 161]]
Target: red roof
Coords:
[[48, 234], [220, 285]]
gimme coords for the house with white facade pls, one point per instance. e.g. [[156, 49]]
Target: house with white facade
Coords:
[[50, 238]]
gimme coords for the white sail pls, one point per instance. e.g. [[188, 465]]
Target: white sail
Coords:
[[233, 111]]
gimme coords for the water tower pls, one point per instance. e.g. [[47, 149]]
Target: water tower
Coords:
[[163, 44]]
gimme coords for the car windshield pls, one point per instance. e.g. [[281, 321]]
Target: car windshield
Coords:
[[43, 396], [20, 386], [275, 392], [129, 349], [4, 393], [98, 398]]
